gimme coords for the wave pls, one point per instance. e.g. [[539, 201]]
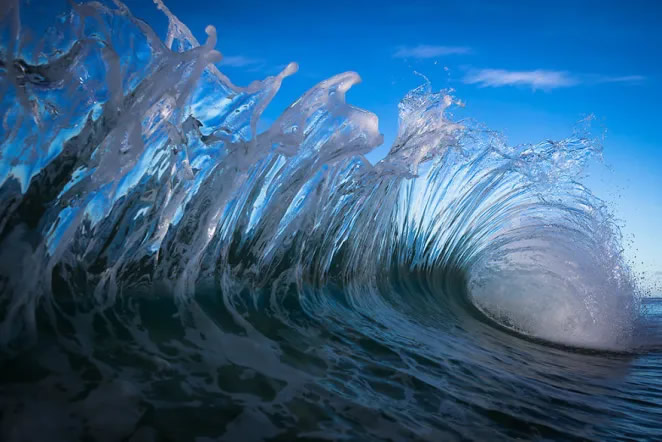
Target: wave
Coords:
[[131, 166]]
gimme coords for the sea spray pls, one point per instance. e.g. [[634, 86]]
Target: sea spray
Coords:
[[134, 163], [169, 271]]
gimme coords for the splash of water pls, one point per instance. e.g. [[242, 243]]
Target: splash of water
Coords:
[[131, 165]]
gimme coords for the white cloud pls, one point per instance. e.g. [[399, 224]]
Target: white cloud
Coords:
[[622, 79], [538, 79], [427, 51], [240, 61], [542, 79]]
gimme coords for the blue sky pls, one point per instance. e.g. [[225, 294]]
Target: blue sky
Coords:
[[529, 69]]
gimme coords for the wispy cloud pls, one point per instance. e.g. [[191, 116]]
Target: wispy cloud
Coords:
[[538, 79], [622, 79], [542, 79], [427, 51], [240, 61]]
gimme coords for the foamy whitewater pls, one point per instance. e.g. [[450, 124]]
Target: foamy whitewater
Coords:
[[169, 272]]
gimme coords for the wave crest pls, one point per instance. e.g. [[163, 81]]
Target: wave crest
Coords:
[[130, 165]]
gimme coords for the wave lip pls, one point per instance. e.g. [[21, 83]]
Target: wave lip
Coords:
[[134, 162]]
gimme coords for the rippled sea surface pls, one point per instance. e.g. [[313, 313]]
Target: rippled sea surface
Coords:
[[333, 377], [169, 272]]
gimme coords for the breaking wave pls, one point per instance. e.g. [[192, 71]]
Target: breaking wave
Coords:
[[132, 165], [168, 269]]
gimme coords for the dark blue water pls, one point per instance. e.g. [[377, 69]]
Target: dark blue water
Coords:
[[319, 378], [169, 272]]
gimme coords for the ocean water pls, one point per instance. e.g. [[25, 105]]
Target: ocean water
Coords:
[[170, 272]]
